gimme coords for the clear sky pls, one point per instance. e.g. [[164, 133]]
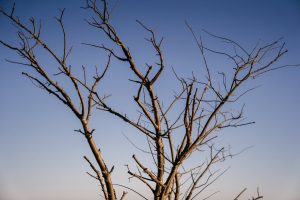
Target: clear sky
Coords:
[[41, 156]]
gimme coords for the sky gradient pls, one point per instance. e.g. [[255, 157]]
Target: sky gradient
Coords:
[[41, 155]]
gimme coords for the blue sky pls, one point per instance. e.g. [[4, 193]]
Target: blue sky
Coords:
[[41, 156]]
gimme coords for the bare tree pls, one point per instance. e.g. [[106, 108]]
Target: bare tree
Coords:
[[173, 136], [29, 41]]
